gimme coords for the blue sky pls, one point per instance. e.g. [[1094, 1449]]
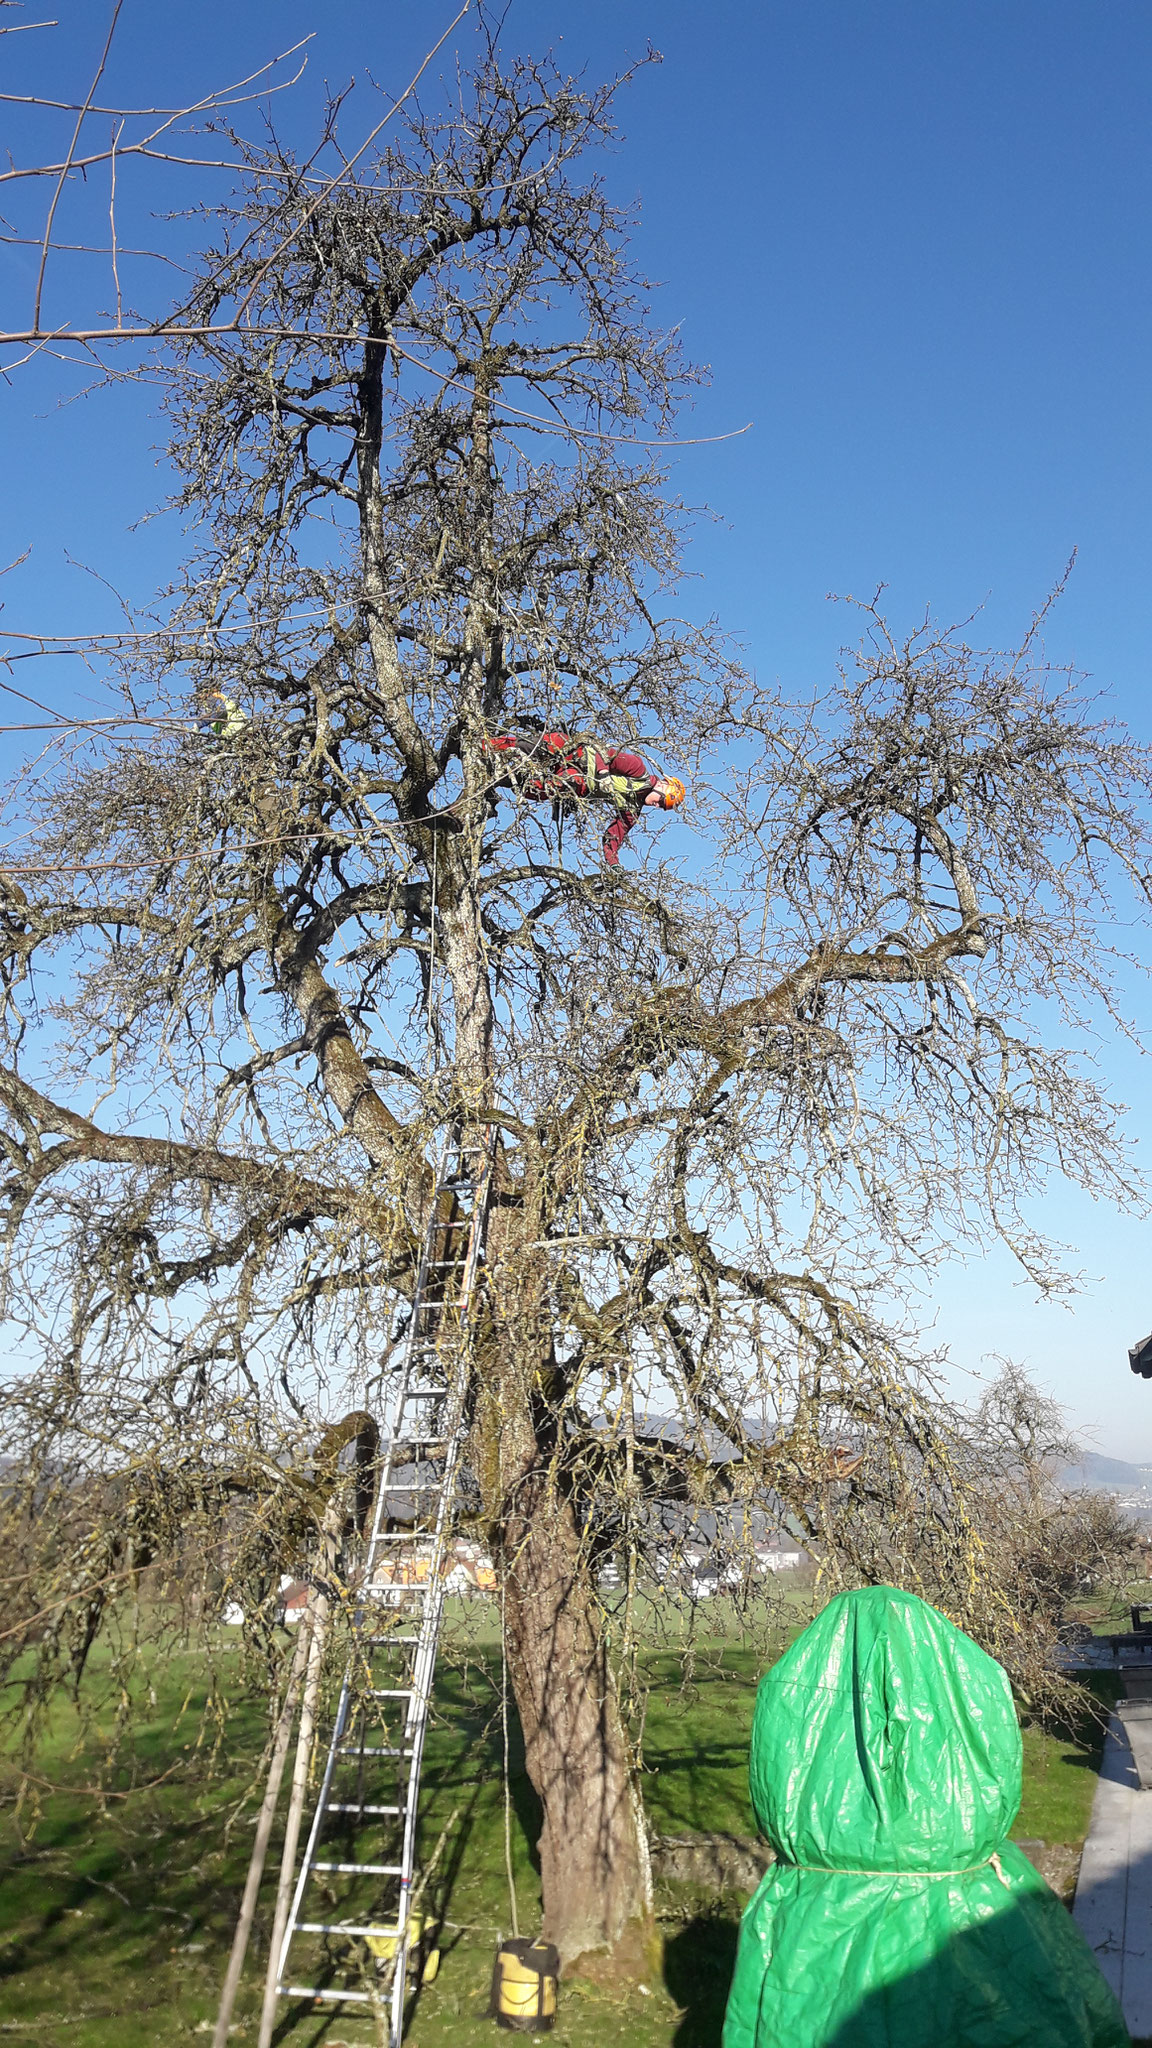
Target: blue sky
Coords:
[[912, 242]]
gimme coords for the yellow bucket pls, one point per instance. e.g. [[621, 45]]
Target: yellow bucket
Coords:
[[524, 1986], [383, 1947]]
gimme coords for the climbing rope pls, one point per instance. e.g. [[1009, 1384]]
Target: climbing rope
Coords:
[[507, 1774]]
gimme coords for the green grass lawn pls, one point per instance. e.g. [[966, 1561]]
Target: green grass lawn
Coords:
[[117, 1906], [1060, 1775]]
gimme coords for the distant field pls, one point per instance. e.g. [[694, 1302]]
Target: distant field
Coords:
[[116, 1911]]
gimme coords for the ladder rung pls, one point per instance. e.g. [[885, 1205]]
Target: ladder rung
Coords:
[[347, 1927], [378, 1749], [314, 1991], [389, 1639], [336, 1806], [368, 1869], [391, 1692]]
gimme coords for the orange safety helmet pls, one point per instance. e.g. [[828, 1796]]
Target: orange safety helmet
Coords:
[[674, 793]]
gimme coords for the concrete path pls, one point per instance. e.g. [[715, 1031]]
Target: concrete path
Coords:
[[1114, 1891]]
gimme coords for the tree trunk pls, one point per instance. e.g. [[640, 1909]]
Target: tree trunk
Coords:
[[594, 1866]]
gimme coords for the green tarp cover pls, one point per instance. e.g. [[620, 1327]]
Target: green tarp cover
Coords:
[[885, 1772]]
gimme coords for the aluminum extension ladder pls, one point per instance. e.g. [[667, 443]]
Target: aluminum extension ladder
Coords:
[[371, 1781]]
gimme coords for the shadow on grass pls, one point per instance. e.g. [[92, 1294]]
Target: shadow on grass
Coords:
[[475, 1732], [698, 1965], [131, 1891]]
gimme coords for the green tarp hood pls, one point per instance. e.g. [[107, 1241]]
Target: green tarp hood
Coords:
[[886, 1772], [884, 1739]]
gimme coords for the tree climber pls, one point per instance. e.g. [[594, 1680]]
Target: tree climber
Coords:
[[222, 717], [550, 767], [224, 724]]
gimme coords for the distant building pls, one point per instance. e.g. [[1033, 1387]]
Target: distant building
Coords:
[[293, 1601], [779, 1554], [465, 1567]]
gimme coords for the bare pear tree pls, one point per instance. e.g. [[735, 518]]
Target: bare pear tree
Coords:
[[742, 1088]]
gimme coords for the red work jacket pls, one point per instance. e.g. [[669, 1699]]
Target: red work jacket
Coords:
[[552, 767]]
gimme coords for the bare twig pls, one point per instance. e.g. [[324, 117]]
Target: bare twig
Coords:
[[67, 164]]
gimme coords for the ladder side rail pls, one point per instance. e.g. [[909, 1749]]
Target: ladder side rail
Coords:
[[424, 1662], [469, 1262], [320, 1813], [426, 1640], [389, 1465], [425, 1665], [430, 1622], [458, 1395], [418, 1303], [478, 1231]]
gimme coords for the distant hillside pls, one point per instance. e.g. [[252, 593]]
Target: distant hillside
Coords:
[[1110, 1475], [1093, 1470], [1107, 1475]]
